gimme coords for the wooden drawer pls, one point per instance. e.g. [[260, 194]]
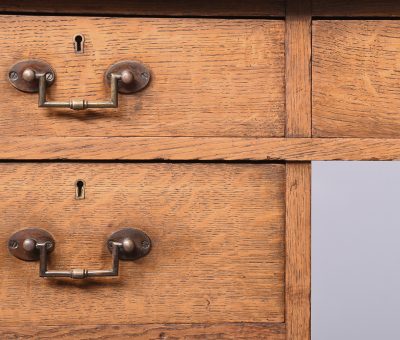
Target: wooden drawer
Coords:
[[209, 77], [356, 78], [217, 234]]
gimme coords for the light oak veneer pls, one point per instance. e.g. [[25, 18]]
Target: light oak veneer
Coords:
[[217, 232], [210, 77]]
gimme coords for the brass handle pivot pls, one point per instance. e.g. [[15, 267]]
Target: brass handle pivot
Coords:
[[37, 75], [36, 244]]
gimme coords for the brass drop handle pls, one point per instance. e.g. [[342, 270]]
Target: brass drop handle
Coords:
[[36, 244], [37, 75], [78, 104]]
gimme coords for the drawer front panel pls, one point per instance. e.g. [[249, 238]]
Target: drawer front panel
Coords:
[[356, 78], [217, 235], [210, 77]]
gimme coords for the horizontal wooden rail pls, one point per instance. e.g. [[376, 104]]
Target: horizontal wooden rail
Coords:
[[198, 148], [179, 8], [243, 331]]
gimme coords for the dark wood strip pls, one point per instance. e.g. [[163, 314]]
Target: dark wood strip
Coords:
[[251, 8], [356, 8]]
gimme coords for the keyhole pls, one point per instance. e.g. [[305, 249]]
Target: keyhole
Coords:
[[78, 43], [80, 189]]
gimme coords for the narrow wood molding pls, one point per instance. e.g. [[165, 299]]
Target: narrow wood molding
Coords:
[[273, 331], [298, 251], [207, 149], [298, 68]]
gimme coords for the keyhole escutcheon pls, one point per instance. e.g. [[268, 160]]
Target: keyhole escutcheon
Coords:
[[79, 189], [79, 41]]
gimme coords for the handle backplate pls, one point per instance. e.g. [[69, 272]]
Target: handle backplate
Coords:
[[16, 78], [35, 75], [20, 247], [34, 244], [140, 74], [141, 243]]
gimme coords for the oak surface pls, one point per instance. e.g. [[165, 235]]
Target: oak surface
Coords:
[[217, 232], [298, 68], [298, 175], [241, 331], [198, 149], [251, 8], [210, 77], [356, 81], [235, 293], [298, 251]]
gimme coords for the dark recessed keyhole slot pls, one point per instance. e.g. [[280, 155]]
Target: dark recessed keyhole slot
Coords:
[[78, 43], [80, 189]]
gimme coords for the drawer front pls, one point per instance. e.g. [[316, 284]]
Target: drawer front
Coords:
[[356, 78], [217, 234], [209, 77]]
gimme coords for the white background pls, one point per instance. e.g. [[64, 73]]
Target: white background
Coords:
[[356, 250]]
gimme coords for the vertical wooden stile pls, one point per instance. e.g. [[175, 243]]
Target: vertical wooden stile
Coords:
[[298, 175]]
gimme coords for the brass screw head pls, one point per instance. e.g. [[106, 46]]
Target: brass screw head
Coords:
[[49, 76], [13, 76], [145, 244]]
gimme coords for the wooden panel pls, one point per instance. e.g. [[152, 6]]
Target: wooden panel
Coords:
[[239, 331], [206, 149], [150, 7], [356, 8], [298, 251], [298, 68], [356, 82], [211, 77], [217, 232]]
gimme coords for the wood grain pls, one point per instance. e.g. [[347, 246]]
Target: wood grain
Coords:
[[203, 149], [210, 77], [298, 251], [217, 233], [298, 175], [356, 8], [356, 78], [298, 68], [249, 8], [239, 331]]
